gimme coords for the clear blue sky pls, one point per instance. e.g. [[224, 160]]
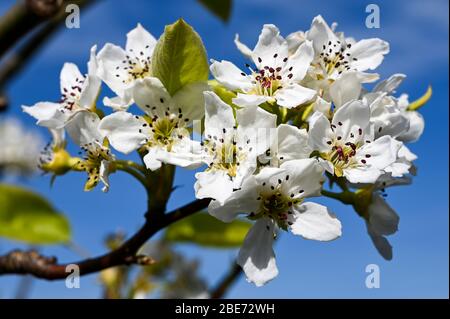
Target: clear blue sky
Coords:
[[418, 33]]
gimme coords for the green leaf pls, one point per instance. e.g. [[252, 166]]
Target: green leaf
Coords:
[[205, 230], [179, 57], [220, 8], [225, 95], [417, 104], [28, 217]]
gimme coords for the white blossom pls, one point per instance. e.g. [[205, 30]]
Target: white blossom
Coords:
[[78, 93], [277, 74], [274, 198], [121, 68]]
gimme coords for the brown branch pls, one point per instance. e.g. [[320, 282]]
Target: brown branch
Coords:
[[17, 60], [30, 262], [23, 18], [227, 281]]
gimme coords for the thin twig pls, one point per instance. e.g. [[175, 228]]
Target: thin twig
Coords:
[[227, 281], [17, 60], [22, 18], [30, 262]]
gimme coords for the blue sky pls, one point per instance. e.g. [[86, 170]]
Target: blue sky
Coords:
[[418, 34]]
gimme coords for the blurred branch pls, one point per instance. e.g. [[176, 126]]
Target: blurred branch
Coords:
[[23, 18], [227, 281], [18, 60], [30, 262]]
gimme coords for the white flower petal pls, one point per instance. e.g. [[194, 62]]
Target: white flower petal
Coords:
[[292, 143], [218, 114], [245, 50], [369, 53], [256, 256], [346, 88], [244, 100], [383, 152], [104, 175], [70, 76], [186, 154], [109, 58], [140, 40], [191, 101], [404, 152], [123, 131], [47, 114], [213, 184], [320, 33], [293, 95], [416, 127], [299, 62], [150, 160], [316, 222], [271, 48], [294, 40], [351, 115], [389, 85], [238, 202], [92, 83], [256, 125], [118, 103], [319, 132], [229, 75], [152, 97], [362, 174], [83, 128], [305, 177]]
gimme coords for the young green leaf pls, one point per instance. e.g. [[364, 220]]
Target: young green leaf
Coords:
[[28, 217], [179, 57], [220, 8], [205, 230]]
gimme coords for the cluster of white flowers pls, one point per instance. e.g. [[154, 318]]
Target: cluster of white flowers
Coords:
[[299, 114]]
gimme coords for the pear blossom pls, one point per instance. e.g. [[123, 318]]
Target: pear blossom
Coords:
[[276, 77], [347, 145], [416, 121], [163, 131], [341, 62], [274, 198], [392, 113], [78, 93], [121, 68], [83, 128], [231, 146]]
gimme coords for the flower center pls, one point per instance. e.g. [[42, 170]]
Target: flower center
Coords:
[[165, 131], [343, 153], [71, 96], [225, 153], [226, 157], [267, 80], [137, 66], [335, 57], [270, 77], [276, 204], [95, 154], [342, 156]]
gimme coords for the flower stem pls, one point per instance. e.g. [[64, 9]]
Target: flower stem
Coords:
[[345, 197], [122, 166]]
